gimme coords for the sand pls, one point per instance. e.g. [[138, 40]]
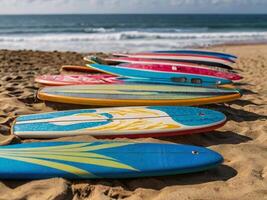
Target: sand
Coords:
[[242, 141]]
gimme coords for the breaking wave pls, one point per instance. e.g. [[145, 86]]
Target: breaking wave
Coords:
[[110, 41]]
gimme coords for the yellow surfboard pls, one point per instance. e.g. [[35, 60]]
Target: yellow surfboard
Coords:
[[136, 95]]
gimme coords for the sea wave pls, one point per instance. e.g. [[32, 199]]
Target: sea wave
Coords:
[[84, 30], [99, 30], [52, 30], [103, 40]]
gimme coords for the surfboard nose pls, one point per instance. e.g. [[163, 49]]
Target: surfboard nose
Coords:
[[197, 159], [206, 158], [193, 116]]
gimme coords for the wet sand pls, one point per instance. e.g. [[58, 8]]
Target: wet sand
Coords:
[[242, 141]]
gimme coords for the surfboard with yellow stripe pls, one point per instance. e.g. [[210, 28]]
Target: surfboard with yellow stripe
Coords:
[[131, 122], [137, 95], [102, 159]]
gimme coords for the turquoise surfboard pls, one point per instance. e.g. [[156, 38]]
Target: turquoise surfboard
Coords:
[[102, 159], [159, 76], [131, 122]]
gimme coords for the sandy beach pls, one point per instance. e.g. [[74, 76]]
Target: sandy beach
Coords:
[[242, 141]]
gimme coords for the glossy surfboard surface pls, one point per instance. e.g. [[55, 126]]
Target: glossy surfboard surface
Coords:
[[161, 75], [133, 122], [198, 59], [55, 80], [102, 159], [136, 95], [199, 52]]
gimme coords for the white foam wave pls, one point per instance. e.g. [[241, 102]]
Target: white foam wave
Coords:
[[99, 30], [124, 41]]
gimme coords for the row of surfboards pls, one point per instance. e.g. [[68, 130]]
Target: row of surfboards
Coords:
[[153, 88], [136, 80]]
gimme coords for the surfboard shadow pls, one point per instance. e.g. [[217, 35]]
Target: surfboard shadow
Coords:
[[209, 139], [65, 106], [238, 115], [221, 173]]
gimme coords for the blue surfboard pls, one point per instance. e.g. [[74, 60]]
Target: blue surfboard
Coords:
[[229, 57], [151, 76], [102, 159], [132, 122]]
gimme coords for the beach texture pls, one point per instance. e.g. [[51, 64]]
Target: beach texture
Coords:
[[242, 141]]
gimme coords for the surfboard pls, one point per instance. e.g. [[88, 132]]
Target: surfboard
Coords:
[[77, 68], [61, 80], [102, 159], [56, 80], [131, 122], [160, 74], [136, 95], [198, 59], [184, 69], [163, 66], [199, 52], [119, 60]]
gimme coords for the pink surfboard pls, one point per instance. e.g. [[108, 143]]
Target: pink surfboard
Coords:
[[199, 59], [144, 61], [184, 69], [116, 60], [58, 80]]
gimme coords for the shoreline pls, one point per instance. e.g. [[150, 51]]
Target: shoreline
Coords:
[[242, 141]]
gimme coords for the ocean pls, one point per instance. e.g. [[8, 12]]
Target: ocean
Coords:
[[111, 33]]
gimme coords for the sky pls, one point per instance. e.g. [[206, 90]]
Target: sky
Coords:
[[131, 6]]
